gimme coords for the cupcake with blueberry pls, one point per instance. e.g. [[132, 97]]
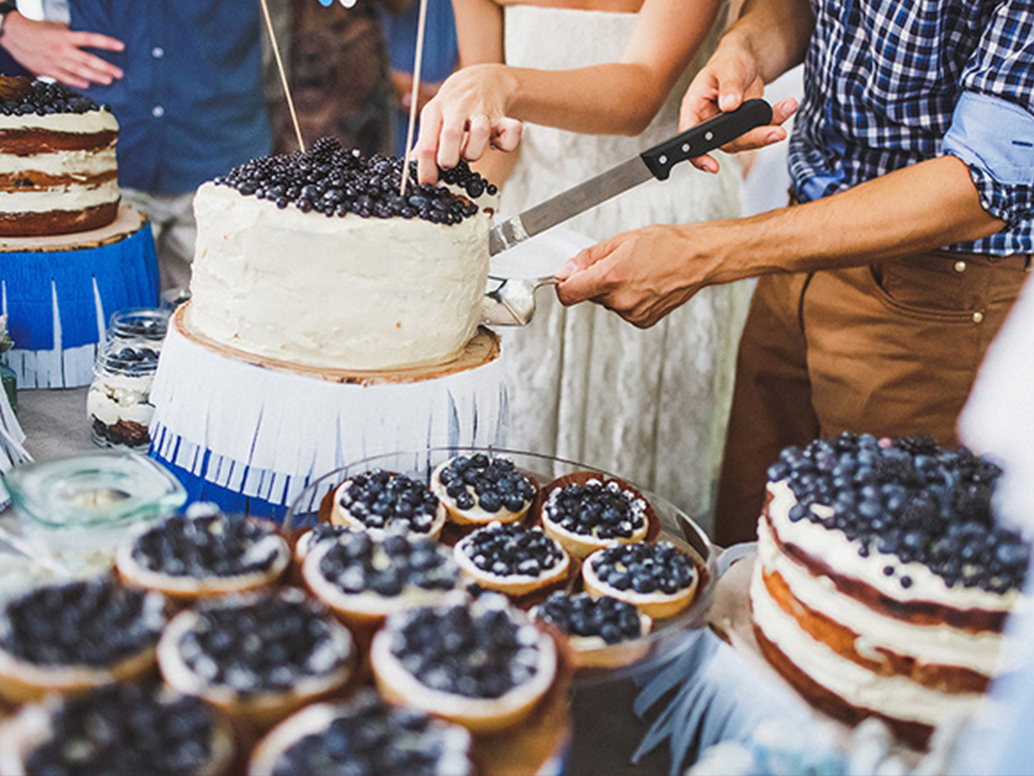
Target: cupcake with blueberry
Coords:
[[362, 735], [480, 489], [122, 730], [513, 559], [70, 637], [658, 579], [257, 656], [203, 554], [587, 511], [482, 663], [603, 632], [376, 500], [363, 579]]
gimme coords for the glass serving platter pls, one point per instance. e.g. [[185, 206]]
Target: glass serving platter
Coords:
[[666, 637]]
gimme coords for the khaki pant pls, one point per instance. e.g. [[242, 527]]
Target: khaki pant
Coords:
[[891, 349], [174, 228]]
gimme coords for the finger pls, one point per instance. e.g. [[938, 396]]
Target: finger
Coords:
[[478, 133], [706, 163], [783, 110], [426, 149], [507, 134], [583, 282], [95, 40], [580, 261], [451, 138], [96, 69]]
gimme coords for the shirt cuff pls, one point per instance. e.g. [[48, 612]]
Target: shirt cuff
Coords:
[[996, 139]]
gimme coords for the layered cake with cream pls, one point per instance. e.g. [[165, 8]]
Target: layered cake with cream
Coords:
[[317, 259], [58, 172], [882, 582]]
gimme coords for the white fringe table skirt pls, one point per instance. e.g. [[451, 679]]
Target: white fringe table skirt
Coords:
[[250, 439]]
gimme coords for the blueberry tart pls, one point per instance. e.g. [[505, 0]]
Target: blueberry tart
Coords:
[[512, 559], [123, 729], [480, 489], [602, 632], [377, 499], [658, 578], [363, 578], [481, 663], [362, 735], [203, 555], [70, 637], [319, 533], [258, 656], [587, 511]]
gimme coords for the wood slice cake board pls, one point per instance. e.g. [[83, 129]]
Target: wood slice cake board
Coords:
[[128, 221], [481, 350]]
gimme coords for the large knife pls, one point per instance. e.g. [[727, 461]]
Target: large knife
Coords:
[[655, 162]]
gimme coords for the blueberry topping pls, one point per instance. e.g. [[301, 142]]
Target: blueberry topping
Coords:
[[379, 499], [600, 508], [125, 730], [262, 642], [478, 651], [44, 98], [357, 563], [511, 549], [646, 568], [580, 614], [333, 181], [94, 622], [209, 545], [366, 735], [909, 498], [493, 484]]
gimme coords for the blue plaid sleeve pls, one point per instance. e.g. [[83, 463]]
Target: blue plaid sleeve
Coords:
[[992, 127]]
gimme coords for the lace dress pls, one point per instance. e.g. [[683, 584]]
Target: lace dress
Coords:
[[650, 405]]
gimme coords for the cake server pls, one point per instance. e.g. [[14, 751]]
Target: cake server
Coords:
[[655, 162]]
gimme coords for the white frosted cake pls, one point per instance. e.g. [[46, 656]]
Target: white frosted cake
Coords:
[[58, 171], [315, 259]]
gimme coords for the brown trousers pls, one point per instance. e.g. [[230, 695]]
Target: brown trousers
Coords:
[[891, 349]]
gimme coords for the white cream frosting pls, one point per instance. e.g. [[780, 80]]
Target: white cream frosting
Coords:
[[335, 292], [80, 164], [112, 398], [894, 696], [72, 197], [76, 123]]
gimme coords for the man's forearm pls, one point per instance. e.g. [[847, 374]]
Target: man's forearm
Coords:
[[919, 208], [776, 32]]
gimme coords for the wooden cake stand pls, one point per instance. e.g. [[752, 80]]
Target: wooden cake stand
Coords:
[[59, 292], [249, 432]]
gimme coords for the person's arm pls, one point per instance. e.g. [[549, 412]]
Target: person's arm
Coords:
[[478, 105], [644, 274], [49, 48]]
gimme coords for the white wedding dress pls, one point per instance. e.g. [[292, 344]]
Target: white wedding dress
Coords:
[[583, 384]]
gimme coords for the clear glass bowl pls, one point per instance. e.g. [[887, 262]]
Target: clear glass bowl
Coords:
[[87, 502], [663, 641]]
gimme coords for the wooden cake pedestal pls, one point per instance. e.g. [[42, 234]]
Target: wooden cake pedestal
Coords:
[[59, 292], [249, 433]]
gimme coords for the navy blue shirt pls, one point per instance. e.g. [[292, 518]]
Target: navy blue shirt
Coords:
[[190, 105]]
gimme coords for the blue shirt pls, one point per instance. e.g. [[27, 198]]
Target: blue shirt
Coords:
[[890, 83], [190, 105]]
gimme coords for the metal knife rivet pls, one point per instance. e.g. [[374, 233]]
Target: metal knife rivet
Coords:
[[709, 136], [662, 159], [686, 147]]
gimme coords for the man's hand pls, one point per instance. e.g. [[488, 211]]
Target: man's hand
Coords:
[[465, 119], [49, 48]]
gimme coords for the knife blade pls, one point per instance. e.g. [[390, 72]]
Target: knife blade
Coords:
[[655, 163]]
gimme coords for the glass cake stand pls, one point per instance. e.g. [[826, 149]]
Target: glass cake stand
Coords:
[[667, 637]]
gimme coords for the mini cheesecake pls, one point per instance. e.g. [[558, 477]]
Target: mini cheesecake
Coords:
[[125, 728], [363, 579], [602, 632], [482, 663], [587, 511], [480, 489], [657, 578], [204, 555], [362, 735], [70, 637], [257, 656], [377, 499], [512, 559]]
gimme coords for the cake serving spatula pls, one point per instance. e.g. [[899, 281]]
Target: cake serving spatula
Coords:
[[655, 162]]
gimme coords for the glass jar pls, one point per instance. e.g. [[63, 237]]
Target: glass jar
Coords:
[[119, 400], [139, 326]]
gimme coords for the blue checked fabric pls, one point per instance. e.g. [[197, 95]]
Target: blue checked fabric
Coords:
[[891, 83]]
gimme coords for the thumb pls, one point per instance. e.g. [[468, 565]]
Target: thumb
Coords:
[[578, 278]]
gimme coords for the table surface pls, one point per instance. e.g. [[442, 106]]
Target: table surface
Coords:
[[54, 421]]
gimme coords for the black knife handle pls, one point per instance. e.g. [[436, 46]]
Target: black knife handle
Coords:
[[706, 137]]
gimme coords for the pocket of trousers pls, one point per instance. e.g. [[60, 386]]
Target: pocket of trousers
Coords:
[[926, 287]]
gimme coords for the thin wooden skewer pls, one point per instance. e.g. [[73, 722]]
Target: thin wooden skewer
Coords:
[[283, 75], [417, 59]]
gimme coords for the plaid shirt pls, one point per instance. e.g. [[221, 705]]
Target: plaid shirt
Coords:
[[889, 83]]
